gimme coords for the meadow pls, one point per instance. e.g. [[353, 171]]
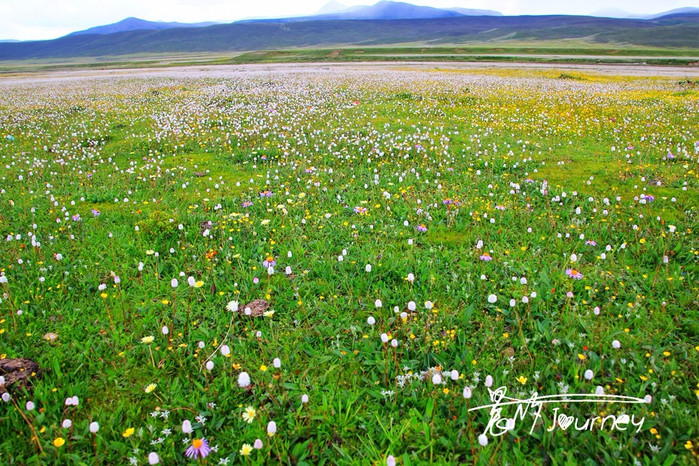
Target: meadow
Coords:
[[334, 265]]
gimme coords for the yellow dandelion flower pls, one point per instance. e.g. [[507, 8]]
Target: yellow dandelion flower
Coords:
[[151, 387], [148, 340], [128, 432], [58, 442]]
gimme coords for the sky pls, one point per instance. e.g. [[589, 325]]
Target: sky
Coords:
[[49, 19]]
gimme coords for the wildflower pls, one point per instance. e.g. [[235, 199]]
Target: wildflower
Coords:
[[616, 344], [30, 406], [467, 393], [271, 428], [368, 268], [522, 379], [371, 321], [304, 398], [269, 262], [572, 273], [199, 447], [174, 283], [128, 432], [360, 210], [243, 379], [489, 381], [492, 299], [277, 363], [67, 423], [257, 445], [437, 378], [246, 449], [153, 458], [589, 374], [58, 442], [186, 427], [209, 365], [390, 461], [147, 340], [483, 440], [421, 228], [486, 257], [232, 306], [249, 414], [94, 427], [247, 204]]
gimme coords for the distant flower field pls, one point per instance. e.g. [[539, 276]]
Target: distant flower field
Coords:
[[347, 266]]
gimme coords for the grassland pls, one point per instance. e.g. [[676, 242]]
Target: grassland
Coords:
[[421, 236], [509, 51]]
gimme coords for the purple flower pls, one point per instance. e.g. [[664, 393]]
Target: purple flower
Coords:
[[486, 257], [360, 210], [199, 447], [266, 193], [269, 262], [247, 204], [421, 228], [572, 273], [76, 218], [95, 212], [589, 242]]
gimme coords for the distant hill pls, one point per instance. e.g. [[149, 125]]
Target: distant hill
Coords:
[[675, 30], [136, 24]]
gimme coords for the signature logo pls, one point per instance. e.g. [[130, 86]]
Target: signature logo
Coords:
[[500, 423]]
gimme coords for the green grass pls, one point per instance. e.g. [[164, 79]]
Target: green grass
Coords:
[[535, 164]]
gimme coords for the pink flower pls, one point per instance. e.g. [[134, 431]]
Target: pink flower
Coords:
[[572, 273], [199, 447]]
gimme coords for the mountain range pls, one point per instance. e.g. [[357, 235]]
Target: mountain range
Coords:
[[383, 23]]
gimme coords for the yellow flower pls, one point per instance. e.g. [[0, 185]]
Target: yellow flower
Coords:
[[151, 387], [199, 284], [147, 340], [128, 432], [689, 445], [246, 449], [58, 442], [522, 379], [249, 414], [263, 368]]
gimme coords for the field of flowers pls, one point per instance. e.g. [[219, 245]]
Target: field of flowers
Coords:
[[334, 266]]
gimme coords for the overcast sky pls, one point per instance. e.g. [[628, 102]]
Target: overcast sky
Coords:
[[48, 19]]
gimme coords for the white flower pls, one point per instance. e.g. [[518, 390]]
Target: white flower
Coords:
[[186, 427], [371, 321], [411, 277], [467, 392], [412, 306], [492, 299], [243, 379], [258, 444], [304, 398], [173, 283], [67, 423], [165, 330], [589, 374], [616, 344], [368, 268], [455, 375], [153, 458], [599, 390], [489, 381], [390, 461], [428, 305], [209, 365], [483, 440], [5, 397], [271, 428], [277, 363], [378, 303], [191, 281], [384, 338], [437, 378], [394, 343]]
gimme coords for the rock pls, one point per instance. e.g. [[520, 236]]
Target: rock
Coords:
[[257, 308], [17, 373]]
